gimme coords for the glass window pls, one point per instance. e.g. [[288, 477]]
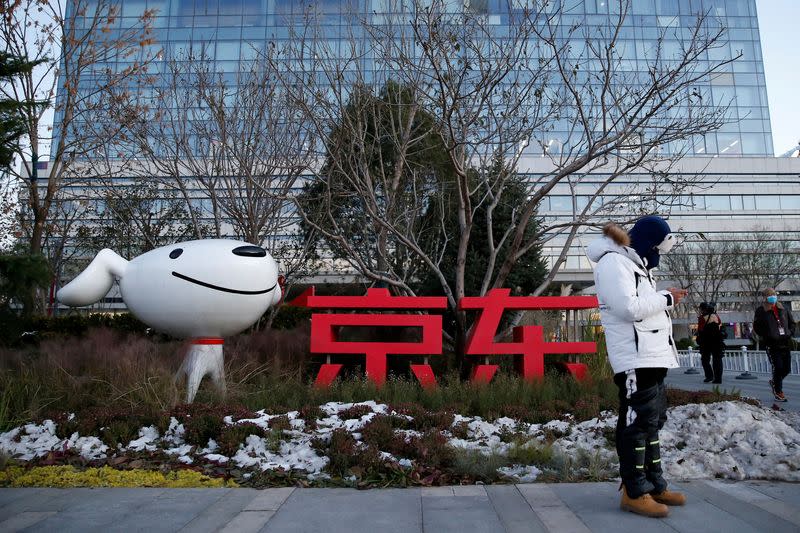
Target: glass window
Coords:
[[768, 202], [560, 203], [643, 7], [747, 96], [722, 78], [729, 143], [790, 201], [723, 94], [668, 7], [745, 48], [228, 50], [718, 203], [754, 143], [749, 202], [736, 203], [134, 8]]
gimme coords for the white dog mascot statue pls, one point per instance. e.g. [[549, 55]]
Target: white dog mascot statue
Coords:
[[204, 290]]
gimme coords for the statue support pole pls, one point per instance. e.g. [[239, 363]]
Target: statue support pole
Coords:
[[204, 357]]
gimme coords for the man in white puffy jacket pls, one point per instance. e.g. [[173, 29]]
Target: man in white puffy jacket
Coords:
[[638, 332]]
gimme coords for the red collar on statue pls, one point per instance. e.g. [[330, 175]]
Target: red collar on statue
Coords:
[[208, 340]]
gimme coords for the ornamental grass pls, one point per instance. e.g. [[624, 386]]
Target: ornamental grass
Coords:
[[131, 375]]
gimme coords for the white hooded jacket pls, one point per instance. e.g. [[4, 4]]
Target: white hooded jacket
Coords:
[[634, 314]]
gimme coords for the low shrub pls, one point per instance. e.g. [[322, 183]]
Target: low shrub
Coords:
[[310, 414], [379, 432], [355, 412], [432, 449], [233, 436], [69, 476], [202, 427], [677, 397], [280, 423], [478, 466], [349, 458], [112, 426], [530, 452]]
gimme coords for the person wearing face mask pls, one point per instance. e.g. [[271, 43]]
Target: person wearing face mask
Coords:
[[638, 329], [773, 322]]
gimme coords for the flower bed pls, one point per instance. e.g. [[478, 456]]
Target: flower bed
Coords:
[[369, 444]]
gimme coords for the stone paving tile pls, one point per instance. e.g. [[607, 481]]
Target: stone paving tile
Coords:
[[248, 522], [217, 515], [786, 511], [470, 490], [754, 516], [46, 499], [95, 509], [551, 510], [785, 492], [269, 499], [23, 520], [700, 516], [348, 510], [433, 492], [514, 512], [9, 495], [713, 506], [170, 512], [474, 514]]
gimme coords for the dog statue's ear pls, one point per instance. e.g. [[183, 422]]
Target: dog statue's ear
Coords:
[[94, 282]]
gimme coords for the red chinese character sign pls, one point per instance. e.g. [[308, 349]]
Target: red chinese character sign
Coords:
[[324, 339], [528, 346]]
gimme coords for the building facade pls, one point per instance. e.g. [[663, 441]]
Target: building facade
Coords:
[[740, 186], [231, 33]]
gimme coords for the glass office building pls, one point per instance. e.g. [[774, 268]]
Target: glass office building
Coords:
[[731, 161], [232, 32]]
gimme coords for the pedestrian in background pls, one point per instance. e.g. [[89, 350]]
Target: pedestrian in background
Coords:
[[774, 324], [711, 341]]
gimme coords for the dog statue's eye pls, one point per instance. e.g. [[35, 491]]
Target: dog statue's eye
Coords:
[[176, 253], [249, 251]]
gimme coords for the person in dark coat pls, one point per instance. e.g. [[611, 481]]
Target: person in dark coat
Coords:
[[774, 324], [711, 342]]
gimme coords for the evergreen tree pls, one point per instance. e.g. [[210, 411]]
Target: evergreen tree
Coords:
[[13, 112]]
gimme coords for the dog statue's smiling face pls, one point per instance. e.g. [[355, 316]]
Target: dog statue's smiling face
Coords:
[[209, 288], [206, 288]]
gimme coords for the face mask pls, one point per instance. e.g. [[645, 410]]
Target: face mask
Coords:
[[772, 299], [667, 244]]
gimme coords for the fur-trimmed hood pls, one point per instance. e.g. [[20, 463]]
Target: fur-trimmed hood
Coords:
[[615, 240]]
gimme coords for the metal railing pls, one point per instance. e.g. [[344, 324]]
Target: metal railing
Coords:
[[743, 360]]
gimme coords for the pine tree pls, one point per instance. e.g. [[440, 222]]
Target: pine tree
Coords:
[[13, 112]]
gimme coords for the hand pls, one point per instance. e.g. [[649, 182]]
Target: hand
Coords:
[[677, 295]]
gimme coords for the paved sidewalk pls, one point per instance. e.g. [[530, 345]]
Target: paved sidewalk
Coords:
[[713, 506], [754, 388]]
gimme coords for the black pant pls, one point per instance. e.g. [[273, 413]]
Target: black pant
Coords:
[[642, 413], [707, 355], [781, 360]]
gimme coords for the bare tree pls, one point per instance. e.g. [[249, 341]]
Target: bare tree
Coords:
[[225, 144], [764, 262], [705, 268], [135, 218], [74, 43], [501, 96]]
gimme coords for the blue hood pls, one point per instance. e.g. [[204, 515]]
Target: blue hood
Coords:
[[646, 234]]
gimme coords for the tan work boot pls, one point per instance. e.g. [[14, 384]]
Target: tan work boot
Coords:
[[669, 497], [644, 505]]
